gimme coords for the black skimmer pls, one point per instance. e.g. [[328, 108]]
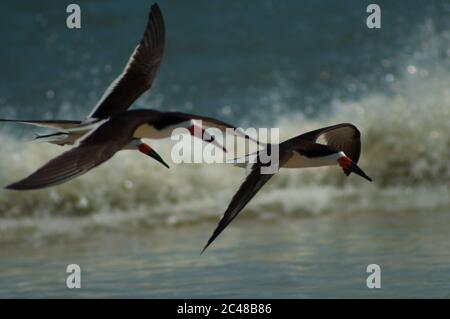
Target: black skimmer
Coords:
[[136, 78], [334, 145], [121, 131]]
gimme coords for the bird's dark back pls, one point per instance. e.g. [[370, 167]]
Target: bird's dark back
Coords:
[[121, 127]]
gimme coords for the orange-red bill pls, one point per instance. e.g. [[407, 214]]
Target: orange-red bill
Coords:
[[349, 166], [147, 150]]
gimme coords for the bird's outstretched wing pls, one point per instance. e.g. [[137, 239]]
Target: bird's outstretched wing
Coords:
[[65, 167], [95, 149], [55, 124], [140, 71], [252, 184], [341, 137]]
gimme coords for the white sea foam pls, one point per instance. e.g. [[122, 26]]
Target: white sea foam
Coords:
[[406, 150]]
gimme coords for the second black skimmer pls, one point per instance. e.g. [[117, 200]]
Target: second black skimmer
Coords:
[[341, 146]]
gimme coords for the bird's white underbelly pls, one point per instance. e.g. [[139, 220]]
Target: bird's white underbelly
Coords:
[[299, 161]]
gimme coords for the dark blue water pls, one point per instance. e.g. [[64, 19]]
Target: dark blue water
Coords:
[[223, 58]]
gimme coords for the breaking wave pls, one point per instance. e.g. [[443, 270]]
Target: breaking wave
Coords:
[[406, 143]]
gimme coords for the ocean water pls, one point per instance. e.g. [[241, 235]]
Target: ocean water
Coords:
[[136, 228]]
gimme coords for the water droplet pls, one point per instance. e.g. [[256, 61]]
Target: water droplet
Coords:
[[50, 94], [412, 69], [172, 220], [227, 110], [390, 77], [128, 184], [83, 202]]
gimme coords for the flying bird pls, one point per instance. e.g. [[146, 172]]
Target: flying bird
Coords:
[[118, 132], [103, 131], [333, 145]]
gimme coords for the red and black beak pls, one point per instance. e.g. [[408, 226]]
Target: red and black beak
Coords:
[[147, 150], [349, 166]]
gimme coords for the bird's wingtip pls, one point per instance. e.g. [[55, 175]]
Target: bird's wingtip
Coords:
[[20, 186], [154, 6], [204, 248], [12, 187]]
